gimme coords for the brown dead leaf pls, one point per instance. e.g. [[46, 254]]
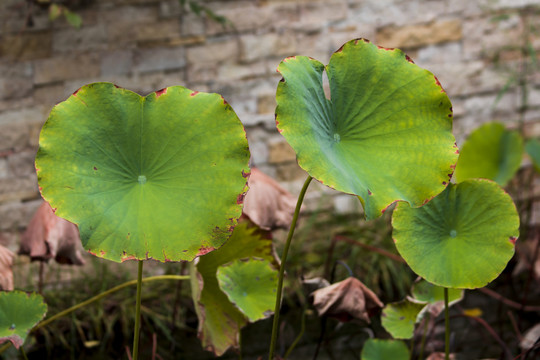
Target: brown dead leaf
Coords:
[[266, 203], [6, 270], [346, 300], [49, 236]]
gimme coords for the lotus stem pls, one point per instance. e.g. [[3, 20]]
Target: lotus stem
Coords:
[[427, 319], [275, 325], [302, 330], [138, 313], [447, 326], [23, 353], [96, 298]]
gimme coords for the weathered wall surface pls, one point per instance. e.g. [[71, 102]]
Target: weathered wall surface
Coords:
[[472, 46]]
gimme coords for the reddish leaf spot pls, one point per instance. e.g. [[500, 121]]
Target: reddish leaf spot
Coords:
[[194, 93], [240, 199], [444, 183], [205, 250], [513, 240], [54, 210], [245, 174], [116, 86], [385, 48], [289, 58], [92, 253], [161, 92], [386, 208], [95, 168], [439, 84], [75, 92], [369, 192], [409, 59]]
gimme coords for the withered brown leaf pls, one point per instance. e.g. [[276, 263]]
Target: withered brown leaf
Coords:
[[346, 300], [49, 236], [268, 204], [6, 268]]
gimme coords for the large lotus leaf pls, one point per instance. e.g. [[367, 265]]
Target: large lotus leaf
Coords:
[[250, 284], [490, 152], [533, 149], [385, 134], [399, 318], [378, 349], [463, 238], [19, 313], [426, 292], [219, 319], [159, 177]]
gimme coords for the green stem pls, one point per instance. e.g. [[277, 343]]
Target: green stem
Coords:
[[302, 330], [424, 336], [96, 298], [447, 326], [23, 353], [275, 325], [138, 313]]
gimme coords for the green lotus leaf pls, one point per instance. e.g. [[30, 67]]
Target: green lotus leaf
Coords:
[[250, 284], [463, 238], [533, 149], [19, 313], [490, 152], [426, 292], [399, 318], [161, 176], [378, 349], [220, 320], [385, 134]]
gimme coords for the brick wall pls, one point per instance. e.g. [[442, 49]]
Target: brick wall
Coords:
[[145, 45]]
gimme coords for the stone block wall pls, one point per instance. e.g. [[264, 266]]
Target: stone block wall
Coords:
[[473, 47]]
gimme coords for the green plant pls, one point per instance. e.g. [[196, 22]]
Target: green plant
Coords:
[[137, 186], [163, 177], [384, 134]]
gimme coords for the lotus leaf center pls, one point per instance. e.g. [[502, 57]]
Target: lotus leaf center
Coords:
[[337, 138], [142, 179], [453, 233]]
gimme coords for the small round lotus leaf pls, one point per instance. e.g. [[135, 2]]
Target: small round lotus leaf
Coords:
[[250, 284], [378, 349], [399, 318], [490, 152], [463, 238], [426, 292], [161, 176], [19, 313], [384, 134]]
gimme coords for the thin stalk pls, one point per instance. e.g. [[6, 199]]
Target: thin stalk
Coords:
[[275, 325], [96, 298], [138, 313], [302, 330], [447, 326], [240, 344], [23, 353], [424, 336]]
